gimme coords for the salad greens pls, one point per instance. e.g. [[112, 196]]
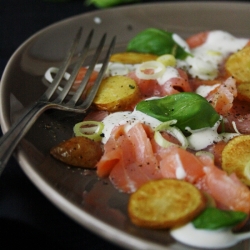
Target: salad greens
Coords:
[[189, 109], [158, 42], [213, 218]]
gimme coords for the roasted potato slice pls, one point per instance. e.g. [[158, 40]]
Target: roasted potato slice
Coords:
[[165, 203], [238, 65], [117, 93], [244, 91], [132, 57], [78, 151], [236, 158]]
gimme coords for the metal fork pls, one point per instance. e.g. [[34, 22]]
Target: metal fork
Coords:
[[10, 140]]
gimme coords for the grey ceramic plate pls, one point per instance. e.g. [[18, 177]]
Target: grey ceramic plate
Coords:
[[92, 202]]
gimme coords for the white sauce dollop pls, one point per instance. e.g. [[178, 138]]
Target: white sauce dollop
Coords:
[[169, 73], [202, 238], [206, 58], [204, 90], [128, 118], [201, 138]]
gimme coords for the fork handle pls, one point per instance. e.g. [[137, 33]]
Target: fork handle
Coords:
[[10, 140]]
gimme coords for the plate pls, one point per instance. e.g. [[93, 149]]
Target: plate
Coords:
[[90, 201]]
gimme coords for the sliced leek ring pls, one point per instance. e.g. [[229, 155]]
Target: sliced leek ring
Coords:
[[157, 67], [90, 129], [174, 131]]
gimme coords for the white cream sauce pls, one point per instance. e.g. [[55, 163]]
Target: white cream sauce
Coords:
[[169, 73], [206, 58], [204, 90], [201, 138], [202, 238]]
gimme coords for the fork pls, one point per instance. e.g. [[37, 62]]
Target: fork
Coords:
[[12, 137]]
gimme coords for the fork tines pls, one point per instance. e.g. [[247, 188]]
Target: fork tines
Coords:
[[85, 104]]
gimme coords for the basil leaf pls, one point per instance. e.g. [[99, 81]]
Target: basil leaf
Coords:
[[158, 42], [189, 109], [214, 218]]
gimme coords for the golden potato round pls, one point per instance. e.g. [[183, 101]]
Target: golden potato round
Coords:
[[238, 65], [117, 93], [165, 203], [78, 151], [236, 158], [132, 57], [244, 91]]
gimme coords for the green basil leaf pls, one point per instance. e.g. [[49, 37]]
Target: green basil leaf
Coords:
[[214, 218], [189, 109], [158, 42]]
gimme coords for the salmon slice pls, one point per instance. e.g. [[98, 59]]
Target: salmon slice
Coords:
[[196, 82], [222, 97], [147, 88], [178, 163], [121, 174], [227, 190], [197, 39], [175, 86], [140, 136], [111, 156], [216, 149], [112, 153], [151, 87], [128, 158], [240, 114]]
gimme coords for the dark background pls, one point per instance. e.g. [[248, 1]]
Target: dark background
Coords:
[[27, 218]]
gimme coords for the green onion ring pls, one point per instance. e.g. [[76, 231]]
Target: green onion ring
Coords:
[[174, 131], [89, 129]]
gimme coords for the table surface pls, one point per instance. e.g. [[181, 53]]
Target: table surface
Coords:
[[27, 218]]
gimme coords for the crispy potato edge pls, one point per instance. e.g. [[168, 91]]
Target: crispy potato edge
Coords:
[[236, 158], [172, 208], [78, 152]]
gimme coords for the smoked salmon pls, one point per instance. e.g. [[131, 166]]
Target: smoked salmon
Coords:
[[222, 97], [151, 87], [227, 190], [131, 158], [197, 39], [128, 158]]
